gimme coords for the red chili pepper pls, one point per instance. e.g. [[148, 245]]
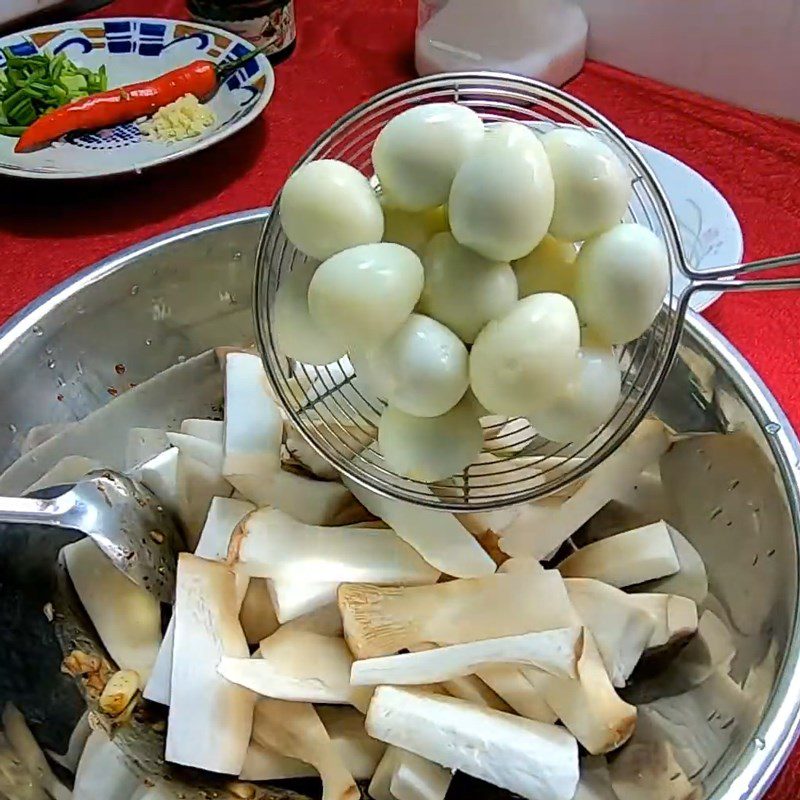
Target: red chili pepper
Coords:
[[126, 103]]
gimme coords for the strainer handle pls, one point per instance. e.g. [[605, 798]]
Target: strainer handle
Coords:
[[727, 279]]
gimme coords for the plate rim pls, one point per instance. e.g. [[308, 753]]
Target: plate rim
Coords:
[[217, 136], [702, 301]]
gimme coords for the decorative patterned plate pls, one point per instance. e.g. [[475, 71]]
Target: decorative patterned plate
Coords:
[[136, 49], [710, 231]]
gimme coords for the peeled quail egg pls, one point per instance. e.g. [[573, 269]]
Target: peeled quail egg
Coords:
[[501, 203], [430, 448], [418, 152], [550, 267], [361, 296], [522, 361], [423, 367], [464, 290], [327, 206], [592, 186], [413, 229], [587, 402], [513, 136], [298, 335], [623, 275]]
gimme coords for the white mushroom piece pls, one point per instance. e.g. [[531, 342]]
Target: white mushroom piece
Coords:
[[550, 525], [626, 559], [223, 516], [300, 666], [534, 760], [588, 707], [270, 544], [621, 628], [402, 775], [210, 719], [292, 599], [126, 616], [436, 535], [383, 620], [417, 778], [690, 580], [253, 425], [160, 475], [675, 617], [359, 752], [211, 429], [295, 730], [553, 651], [104, 773]]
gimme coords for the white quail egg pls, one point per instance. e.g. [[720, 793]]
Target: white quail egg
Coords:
[[592, 186], [623, 276], [423, 368], [520, 362], [327, 206], [588, 400], [464, 290], [361, 296], [418, 152]]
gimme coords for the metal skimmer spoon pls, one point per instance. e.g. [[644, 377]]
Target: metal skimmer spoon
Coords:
[[125, 520]]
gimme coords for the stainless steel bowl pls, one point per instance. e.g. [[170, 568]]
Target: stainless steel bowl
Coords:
[[132, 316]]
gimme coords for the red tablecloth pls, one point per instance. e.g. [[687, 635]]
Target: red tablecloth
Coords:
[[347, 51]]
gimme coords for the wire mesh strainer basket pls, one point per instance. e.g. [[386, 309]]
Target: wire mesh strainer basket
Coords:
[[336, 413]]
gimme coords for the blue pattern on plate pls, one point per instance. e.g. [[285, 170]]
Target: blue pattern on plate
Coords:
[[109, 138]]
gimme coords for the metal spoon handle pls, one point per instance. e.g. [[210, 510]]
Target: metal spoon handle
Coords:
[[37, 510]]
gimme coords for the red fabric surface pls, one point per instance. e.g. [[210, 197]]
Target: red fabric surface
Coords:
[[346, 52]]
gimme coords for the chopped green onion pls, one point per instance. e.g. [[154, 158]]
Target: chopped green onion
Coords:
[[33, 85], [12, 130]]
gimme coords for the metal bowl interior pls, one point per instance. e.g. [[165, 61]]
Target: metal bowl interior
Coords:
[[735, 496], [338, 416]]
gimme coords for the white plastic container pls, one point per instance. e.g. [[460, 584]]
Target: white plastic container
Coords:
[[543, 39]]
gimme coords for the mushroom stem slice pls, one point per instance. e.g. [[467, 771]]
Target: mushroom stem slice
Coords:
[[534, 760], [589, 707], [517, 691], [271, 544], [474, 690], [674, 617], [554, 524], [621, 628], [300, 666], [292, 598], [359, 752], [295, 730], [126, 616], [436, 535], [416, 778], [553, 651], [253, 424], [625, 559], [380, 621], [209, 718]]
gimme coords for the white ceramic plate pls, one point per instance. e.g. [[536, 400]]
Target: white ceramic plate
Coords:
[[710, 231], [136, 49]]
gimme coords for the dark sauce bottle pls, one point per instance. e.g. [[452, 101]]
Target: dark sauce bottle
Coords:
[[265, 23]]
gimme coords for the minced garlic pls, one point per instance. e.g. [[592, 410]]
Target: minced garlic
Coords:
[[182, 119]]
